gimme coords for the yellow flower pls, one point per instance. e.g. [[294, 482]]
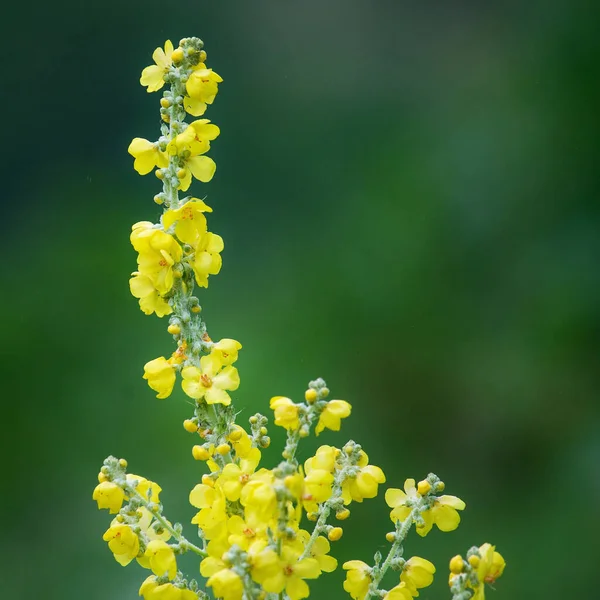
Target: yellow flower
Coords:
[[400, 592], [149, 490], [286, 412], [417, 573], [227, 350], [491, 566], [234, 477], [151, 590], [153, 76], [190, 146], [259, 499], [161, 376], [202, 86], [332, 415], [226, 584], [161, 559], [358, 578], [317, 488], [141, 287], [365, 483], [212, 518], [241, 534], [109, 495], [320, 552], [443, 512], [285, 572], [208, 258], [123, 543], [210, 381], [400, 500], [147, 156], [190, 220], [324, 459], [158, 252]]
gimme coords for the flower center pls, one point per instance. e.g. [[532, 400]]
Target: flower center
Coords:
[[187, 213], [205, 380]]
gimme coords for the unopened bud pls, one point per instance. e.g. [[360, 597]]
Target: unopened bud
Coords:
[[200, 453], [177, 55], [423, 487], [310, 395], [174, 329], [223, 449], [457, 564], [190, 426], [334, 534]]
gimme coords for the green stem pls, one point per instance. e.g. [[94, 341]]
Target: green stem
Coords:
[[181, 540], [401, 533]]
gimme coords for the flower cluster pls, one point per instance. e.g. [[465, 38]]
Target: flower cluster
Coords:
[[263, 532], [469, 577]]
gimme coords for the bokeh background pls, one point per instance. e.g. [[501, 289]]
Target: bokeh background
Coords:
[[408, 193]]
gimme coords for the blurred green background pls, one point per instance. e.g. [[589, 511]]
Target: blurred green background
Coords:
[[408, 193]]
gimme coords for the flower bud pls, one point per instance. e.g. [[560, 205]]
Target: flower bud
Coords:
[[196, 309], [474, 560], [181, 173], [160, 173], [423, 487], [122, 463], [312, 516], [342, 515], [208, 480], [159, 199], [310, 395], [177, 55], [457, 564], [165, 102], [390, 536], [223, 449], [265, 442], [174, 329], [200, 453], [334, 534], [102, 477], [235, 435], [190, 426]]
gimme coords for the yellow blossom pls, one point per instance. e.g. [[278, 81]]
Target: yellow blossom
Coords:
[[365, 483], [417, 573], [210, 381], [490, 567], [226, 584], [358, 578], [189, 219], [109, 495], [160, 375], [158, 252], [286, 412], [202, 86], [319, 551], [207, 260], [147, 156], [234, 477], [152, 590], [141, 287], [227, 350], [259, 499], [149, 490], [212, 518], [317, 488], [285, 572], [161, 559], [400, 592], [191, 145], [123, 543], [323, 459], [443, 512], [332, 415], [241, 534], [153, 76]]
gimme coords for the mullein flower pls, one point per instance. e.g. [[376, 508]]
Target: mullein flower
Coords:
[[147, 156], [160, 375], [153, 76], [364, 484], [358, 578], [332, 415], [211, 381], [203, 86], [151, 302], [152, 590], [189, 220], [286, 412], [417, 573], [109, 495], [226, 584], [123, 543]]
